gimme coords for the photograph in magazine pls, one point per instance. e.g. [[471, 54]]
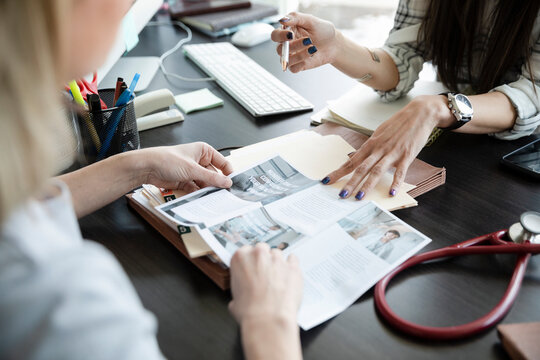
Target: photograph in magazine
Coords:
[[379, 233], [252, 228], [270, 181], [170, 208]]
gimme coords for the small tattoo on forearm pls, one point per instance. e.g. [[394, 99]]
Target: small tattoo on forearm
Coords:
[[374, 56], [365, 78]]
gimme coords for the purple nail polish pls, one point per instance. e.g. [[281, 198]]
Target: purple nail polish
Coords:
[[393, 192], [284, 19], [290, 35], [360, 195], [343, 194], [326, 180]]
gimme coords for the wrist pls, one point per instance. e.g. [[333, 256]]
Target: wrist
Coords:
[[275, 335], [136, 166], [435, 110], [340, 43]]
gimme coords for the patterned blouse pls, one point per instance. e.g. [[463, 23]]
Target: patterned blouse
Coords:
[[409, 56]]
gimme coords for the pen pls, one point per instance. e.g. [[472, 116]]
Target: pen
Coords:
[[119, 82], [116, 116], [123, 88], [76, 93], [285, 54], [94, 103]]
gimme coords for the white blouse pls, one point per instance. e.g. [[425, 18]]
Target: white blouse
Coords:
[[62, 297]]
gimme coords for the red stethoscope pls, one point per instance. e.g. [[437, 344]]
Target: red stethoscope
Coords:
[[525, 241]]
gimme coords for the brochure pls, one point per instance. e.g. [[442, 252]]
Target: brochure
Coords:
[[344, 246]]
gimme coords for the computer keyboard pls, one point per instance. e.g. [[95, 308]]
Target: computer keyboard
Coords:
[[258, 91]]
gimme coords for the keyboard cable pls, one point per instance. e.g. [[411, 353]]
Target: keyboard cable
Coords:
[[174, 49]]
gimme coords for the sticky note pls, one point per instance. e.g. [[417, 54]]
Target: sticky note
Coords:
[[197, 100], [131, 37]]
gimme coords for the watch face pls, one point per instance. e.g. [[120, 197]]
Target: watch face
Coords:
[[463, 104]]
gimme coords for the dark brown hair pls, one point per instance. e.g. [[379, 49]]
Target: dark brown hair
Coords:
[[451, 31]]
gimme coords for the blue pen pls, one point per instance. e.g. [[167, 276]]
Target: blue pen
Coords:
[[117, 116]]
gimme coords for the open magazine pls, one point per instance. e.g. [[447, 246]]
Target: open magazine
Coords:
[[344, 246]]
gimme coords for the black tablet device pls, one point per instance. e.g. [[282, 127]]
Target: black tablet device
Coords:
[[525, 159]]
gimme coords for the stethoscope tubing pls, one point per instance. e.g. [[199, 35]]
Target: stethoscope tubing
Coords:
[[496, 245]]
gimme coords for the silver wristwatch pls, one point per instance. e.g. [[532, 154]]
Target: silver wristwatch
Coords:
[[461, 107]]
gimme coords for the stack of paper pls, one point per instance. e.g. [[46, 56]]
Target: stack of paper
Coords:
[[361, 109]]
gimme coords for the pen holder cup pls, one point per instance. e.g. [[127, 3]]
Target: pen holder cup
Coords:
[[109, 131]]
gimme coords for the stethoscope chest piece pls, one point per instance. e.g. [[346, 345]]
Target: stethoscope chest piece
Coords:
[[528, 228]]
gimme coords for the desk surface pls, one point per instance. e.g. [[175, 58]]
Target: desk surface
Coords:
[[479, 197]]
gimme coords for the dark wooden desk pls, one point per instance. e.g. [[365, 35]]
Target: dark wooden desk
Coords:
[[479, 197]]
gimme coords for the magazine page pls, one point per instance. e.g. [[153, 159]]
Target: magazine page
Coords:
[[262, 184], [340, 261], [347, 259]]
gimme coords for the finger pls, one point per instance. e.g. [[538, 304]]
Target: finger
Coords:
[[239, 256], [295, 19], [359, 174], [347, 167], [295, 45], [277, 255], [293, 260], [375, 175], [190, 187], [211, 178], [302, 55], [296, 68], [281, 35], [219, 161], [262, 248], [399, 177]]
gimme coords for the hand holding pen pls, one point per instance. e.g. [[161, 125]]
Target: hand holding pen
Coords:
[[309, 41]]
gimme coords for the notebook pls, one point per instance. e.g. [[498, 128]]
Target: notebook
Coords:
[[216, 22], [362, 109], [196, 7]]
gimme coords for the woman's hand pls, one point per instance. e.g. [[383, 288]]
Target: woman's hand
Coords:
[[311, 41], [186, 167], [395, 144], [264, 285], [267, 291]]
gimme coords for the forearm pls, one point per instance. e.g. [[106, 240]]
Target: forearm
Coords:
[[493, 112], [99, 184], [271, 339], [358, 62]]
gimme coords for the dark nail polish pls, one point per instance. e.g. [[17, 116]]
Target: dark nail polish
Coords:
[[312, 50], [284, 19], [290, 35], [306, 41], [393, 192], [360, 195], [326, 180], [343, 194], [351, 153]]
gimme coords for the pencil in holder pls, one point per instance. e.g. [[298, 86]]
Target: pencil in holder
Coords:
[[108, 131]]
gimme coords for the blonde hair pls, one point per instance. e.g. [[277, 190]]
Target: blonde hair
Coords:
[[31, 119]]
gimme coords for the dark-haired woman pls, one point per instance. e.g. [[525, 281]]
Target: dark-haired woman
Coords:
[[487, 53]]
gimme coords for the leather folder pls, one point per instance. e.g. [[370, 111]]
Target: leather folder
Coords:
[[421, 174], [190, 7]]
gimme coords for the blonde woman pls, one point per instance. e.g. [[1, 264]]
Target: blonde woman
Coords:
[[65, 298]]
